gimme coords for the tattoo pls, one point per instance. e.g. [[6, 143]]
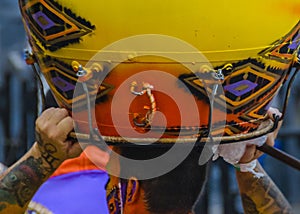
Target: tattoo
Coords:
[[38, 139], [2, 206], [20, 184], [261, 195], [249, 205], [48, 151]]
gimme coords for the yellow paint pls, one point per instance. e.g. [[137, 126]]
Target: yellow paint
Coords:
[[221, 28]]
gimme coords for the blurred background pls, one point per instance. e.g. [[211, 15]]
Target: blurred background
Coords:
[[19, 108]]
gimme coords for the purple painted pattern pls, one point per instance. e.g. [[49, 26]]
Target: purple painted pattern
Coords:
[[63, 84], [295, 43], [46, 23], [234, 88]]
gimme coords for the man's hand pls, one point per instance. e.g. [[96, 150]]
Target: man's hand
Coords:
[[52, 129], [251, 152], [20, 182]]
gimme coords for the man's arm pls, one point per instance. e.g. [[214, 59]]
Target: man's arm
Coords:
[[22, 180], [261, 195]]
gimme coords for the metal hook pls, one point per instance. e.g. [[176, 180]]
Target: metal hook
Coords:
[[85, 74], [218, 75], [144, 121]]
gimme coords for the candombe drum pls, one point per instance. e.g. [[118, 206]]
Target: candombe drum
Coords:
[[174, 72]]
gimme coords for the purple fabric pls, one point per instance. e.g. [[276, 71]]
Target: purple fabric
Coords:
[[78, 192]]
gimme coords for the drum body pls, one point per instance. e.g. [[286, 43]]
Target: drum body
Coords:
[[153, 69]]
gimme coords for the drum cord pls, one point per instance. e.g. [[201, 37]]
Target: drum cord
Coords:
[[30, 60], [92, 131], [288, 92], [274, 152]]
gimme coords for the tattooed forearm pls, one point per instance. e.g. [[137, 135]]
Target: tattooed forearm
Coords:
[[261, 195], [20, 183]]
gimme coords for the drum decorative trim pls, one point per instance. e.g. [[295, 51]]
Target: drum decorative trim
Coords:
[[52, 25]]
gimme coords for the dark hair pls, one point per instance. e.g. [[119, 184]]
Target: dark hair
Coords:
[[177, 190]]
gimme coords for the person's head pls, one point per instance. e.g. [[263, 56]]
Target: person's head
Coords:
[[172, 193]]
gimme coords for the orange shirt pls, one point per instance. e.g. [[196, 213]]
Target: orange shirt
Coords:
[[90, 159]]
